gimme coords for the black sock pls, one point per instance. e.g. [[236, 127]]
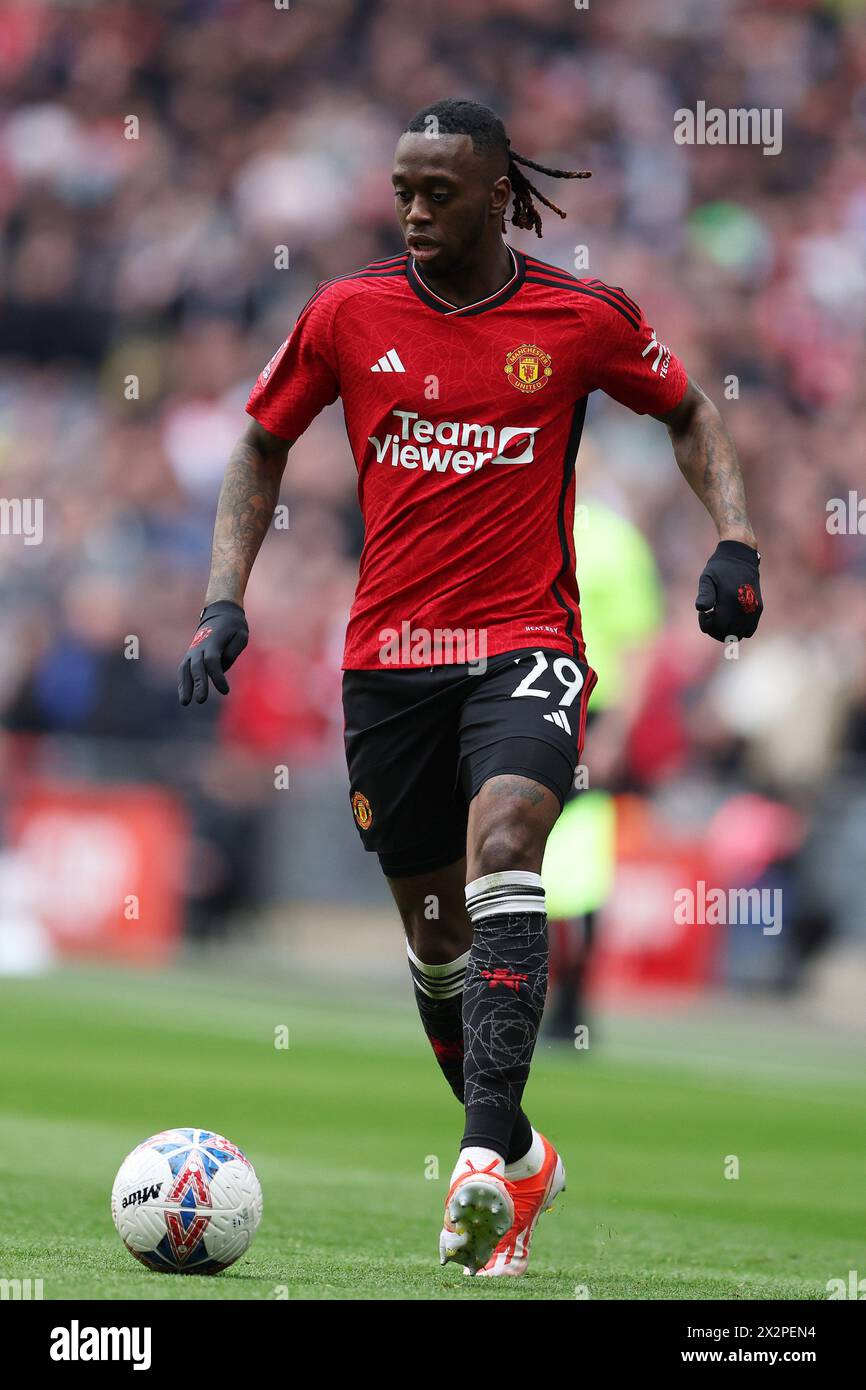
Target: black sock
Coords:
[[521, 1139], [439, 996], [503, 1000]]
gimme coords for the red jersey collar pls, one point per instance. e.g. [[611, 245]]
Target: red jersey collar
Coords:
[[492, 301]]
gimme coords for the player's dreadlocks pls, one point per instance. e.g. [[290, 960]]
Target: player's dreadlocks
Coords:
[[483, 126]]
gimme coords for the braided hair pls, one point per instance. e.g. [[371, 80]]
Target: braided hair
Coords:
[[455, 117]]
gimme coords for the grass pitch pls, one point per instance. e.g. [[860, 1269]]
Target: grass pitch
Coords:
[[345, 1125]]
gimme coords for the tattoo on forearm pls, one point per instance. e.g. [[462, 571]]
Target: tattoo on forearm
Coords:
[[247, 499], [708, 460]]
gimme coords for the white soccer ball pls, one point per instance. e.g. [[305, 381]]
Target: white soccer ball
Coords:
[[186, 1201]]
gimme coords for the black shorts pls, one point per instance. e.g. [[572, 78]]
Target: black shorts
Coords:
[[421, 742]]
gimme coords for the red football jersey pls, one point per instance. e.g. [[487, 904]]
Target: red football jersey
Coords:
[[464, 425]]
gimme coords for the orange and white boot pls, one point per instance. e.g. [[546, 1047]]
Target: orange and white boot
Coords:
[[531, 1195], [479, 1210]]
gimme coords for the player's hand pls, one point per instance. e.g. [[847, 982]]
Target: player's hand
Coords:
[[220, 638], [729, 600]]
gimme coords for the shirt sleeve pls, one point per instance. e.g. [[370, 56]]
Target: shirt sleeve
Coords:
[[301, 377], [629, 362]]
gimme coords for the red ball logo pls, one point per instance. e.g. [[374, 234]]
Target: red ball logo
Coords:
[[748, 598]]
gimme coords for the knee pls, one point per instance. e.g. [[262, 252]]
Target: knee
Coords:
[[507, 845], [437, 941]]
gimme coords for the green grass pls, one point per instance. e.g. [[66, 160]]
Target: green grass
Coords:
[[341, 1126]]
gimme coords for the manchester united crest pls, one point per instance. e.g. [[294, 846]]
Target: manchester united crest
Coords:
[[362, 810], [528, 367]]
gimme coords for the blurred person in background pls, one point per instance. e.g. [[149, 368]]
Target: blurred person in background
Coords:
[[622, 604]]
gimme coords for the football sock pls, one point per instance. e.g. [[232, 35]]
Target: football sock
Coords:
[[503, 1000], [480, 1160], [531, 1163], [521, 1139], [439, 996]]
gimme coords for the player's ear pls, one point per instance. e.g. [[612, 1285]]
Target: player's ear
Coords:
[[499, 196]]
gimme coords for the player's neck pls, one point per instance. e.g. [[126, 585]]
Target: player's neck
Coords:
[[472, 283]]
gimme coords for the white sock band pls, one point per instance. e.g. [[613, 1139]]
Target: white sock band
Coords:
[[495, 894], [438, 981]]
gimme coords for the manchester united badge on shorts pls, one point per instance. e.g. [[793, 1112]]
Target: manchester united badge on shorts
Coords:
[[528, 367], [362, 810]]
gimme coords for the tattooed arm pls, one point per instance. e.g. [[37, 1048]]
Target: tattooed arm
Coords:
[[707, 460], [246, 505], [729, 599], [247, 499]]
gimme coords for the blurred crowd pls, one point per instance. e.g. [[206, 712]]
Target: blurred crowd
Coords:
[[160, 163]]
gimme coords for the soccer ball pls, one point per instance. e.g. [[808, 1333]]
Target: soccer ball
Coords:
[[186, 1201]]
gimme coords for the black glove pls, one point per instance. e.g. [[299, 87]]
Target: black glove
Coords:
[[221, 637], [729, 600]]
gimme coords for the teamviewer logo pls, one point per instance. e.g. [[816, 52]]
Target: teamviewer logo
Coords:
[[516, 445], [461, 446]]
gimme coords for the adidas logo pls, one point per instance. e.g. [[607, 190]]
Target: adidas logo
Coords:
[[560, 718], [389, 363]]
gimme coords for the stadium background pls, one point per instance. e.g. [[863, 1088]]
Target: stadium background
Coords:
[[150, 835]]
